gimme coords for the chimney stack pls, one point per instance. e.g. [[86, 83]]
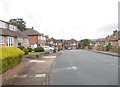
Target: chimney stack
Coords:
[[32, 27], [115, 32]]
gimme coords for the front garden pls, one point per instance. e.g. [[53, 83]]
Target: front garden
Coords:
[[10, 57]]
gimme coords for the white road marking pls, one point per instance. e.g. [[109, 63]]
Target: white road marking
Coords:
[[20, 76], [15, 75], [40, 75], [51, 57], [31, 76], [68, 68], [36, 61], [74, 67]]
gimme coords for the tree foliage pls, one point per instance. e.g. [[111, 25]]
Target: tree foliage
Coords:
[[108, 47], [85, 43], [20, 23]]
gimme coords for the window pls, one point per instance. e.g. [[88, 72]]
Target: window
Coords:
[[26, 41], [1, 39], [10, 41], [11, 27], [20, 40], [39, 37], [44, 38], [3, 25]]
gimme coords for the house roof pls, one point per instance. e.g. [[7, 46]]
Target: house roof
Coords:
[[118, 35], [8, 32], [101, 39], [71, 41], [31, 31], [113, 37]]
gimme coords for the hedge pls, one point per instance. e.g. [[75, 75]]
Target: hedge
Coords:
[[10, 57], [26, 51], [40, 49]]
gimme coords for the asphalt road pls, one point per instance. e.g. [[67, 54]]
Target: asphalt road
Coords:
[[79, 67]]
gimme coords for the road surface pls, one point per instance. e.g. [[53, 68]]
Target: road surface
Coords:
[[80, 67]]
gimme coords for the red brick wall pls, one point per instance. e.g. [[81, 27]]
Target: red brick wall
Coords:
[[33, 39], [115, 43]]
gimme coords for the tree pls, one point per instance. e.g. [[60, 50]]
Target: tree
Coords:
[[85, 43], [20, 23], [108, 47]]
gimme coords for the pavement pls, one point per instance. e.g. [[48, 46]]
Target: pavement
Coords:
[[35, 72], [108, 53], [82, 67]]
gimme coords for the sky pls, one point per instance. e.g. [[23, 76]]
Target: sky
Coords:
[[65, 19]]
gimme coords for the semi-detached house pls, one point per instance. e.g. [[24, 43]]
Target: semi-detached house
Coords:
[[36, 39], [10, 35]]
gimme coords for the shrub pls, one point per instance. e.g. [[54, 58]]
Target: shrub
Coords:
[[108, 47], [30, 49], [26, 51], [39, 49], [54, 51], [59, 49], [11, 56]]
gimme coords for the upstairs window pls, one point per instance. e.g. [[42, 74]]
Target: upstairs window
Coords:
[[3, 25], [1, 39], [12, 27]]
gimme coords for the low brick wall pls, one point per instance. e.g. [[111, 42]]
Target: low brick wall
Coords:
[[37, 55], [8, 74]]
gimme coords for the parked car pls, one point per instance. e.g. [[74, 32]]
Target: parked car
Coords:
[[48, 48], [45, 47], [51, 48], [69, 48]]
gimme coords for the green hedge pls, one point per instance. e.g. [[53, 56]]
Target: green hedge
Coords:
[[10, 57], [26, 51], [39, 49]]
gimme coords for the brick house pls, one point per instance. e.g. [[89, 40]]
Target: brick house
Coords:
[[113, 39], [119, 38], [36, 39], [55, 42], [101, 44], [10, 35], [61, 43], [72, 43]]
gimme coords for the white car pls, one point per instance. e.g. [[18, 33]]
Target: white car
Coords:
[[51, 48], [45, 47], [48, 48]]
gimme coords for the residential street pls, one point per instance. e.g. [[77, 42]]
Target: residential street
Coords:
[[80, 67]]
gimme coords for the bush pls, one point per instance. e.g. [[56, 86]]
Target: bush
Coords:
[[30, 49], [10, 57], [108, 47], [59, 49], [54, 51], [26, 51], [39, 49]]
